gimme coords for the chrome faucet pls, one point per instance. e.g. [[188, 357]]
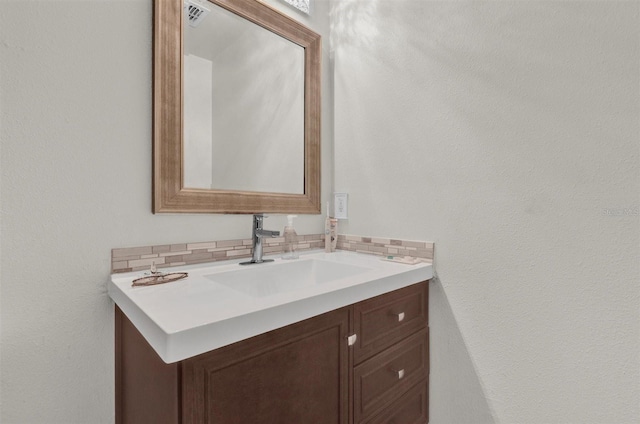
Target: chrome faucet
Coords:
[[258, 234]]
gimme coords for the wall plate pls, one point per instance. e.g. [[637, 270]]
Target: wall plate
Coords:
[[340, 205]]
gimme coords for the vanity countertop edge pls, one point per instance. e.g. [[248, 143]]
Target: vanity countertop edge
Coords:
[[196, 315]]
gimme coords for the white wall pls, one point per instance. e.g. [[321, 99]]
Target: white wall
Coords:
[[75, 125], [502, 130]]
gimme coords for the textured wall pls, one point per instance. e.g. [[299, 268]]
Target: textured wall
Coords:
[[75, 114], [508, 133]]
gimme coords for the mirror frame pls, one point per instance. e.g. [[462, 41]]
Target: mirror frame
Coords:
[[169, 193]]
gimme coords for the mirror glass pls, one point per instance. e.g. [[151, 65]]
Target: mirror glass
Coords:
[[243, 89], [236, 109]]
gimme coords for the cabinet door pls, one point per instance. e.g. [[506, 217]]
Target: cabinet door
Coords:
[[297, 374]]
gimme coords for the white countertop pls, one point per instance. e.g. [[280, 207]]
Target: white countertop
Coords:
[[197, 314]]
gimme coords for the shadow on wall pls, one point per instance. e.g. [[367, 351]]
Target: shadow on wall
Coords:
[[456, 394]]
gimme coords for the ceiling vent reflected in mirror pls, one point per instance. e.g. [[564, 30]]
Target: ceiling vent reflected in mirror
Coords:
[[195, 12], [301, 5]]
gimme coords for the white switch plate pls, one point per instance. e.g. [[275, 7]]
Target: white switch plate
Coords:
[[341, 205]]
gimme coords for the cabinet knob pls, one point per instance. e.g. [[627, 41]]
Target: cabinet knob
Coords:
[[399, 315], [351, 340], [399, 373]]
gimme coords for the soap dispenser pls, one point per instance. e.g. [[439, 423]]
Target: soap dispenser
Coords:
[[290, 239]]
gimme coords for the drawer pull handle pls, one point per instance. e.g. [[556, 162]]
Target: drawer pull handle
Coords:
[[399, 315], [351, 340], [399, 373]]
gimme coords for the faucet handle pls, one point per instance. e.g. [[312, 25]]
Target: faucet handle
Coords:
[[268, 233]]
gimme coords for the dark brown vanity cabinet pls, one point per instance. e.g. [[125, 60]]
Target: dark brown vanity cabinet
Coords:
[[306, 372]]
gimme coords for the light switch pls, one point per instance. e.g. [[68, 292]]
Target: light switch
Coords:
[[341, 204]]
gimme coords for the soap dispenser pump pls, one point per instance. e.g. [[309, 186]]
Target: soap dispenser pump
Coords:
[[290, 239]]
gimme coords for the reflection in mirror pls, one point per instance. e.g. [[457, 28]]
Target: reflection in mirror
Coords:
[[250, 126], [243, 106]]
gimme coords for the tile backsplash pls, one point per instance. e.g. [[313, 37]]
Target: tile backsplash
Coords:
[[166, 255], [140, 258], [385, 246]]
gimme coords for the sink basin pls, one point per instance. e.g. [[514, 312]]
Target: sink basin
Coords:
[[271, 279]]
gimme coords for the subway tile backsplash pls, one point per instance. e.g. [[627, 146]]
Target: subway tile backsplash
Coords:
[[140, 258]]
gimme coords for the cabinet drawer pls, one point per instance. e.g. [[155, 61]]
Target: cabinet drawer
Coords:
[[382, 379], [411, 408], [384, 320]]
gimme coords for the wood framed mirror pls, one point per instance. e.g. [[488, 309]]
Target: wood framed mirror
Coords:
[[170, 194]]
